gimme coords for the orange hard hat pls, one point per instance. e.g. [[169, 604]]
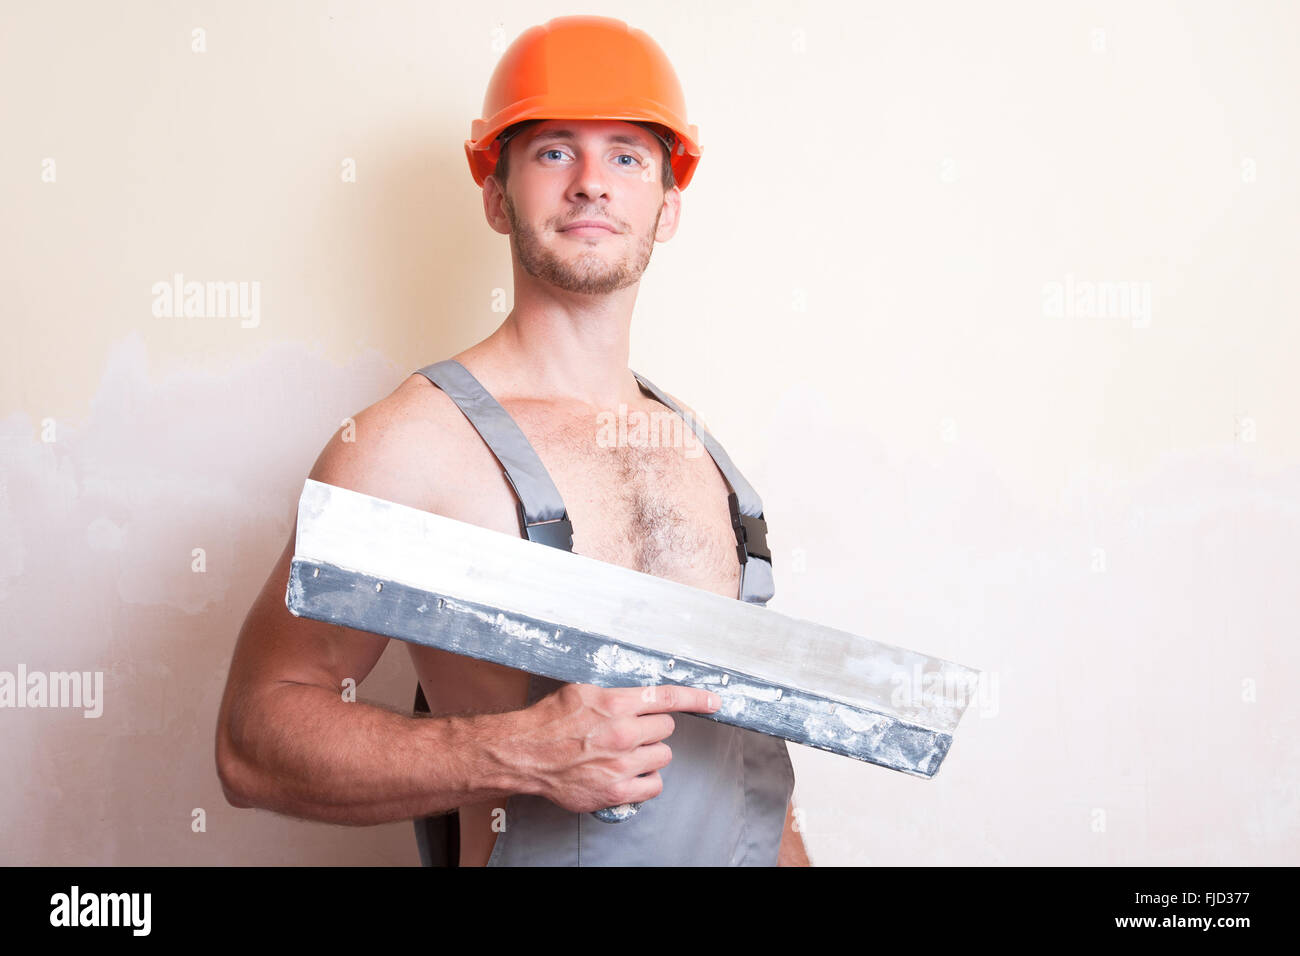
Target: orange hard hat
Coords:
[[584, 68]]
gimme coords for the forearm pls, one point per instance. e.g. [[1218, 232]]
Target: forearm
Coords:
[[302, 750]]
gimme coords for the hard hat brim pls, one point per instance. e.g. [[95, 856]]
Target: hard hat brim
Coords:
[[483, 148]]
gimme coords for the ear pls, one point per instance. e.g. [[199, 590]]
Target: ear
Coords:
[[669, 215], [494, 205]]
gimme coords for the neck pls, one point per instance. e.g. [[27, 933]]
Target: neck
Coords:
[[565, 345]]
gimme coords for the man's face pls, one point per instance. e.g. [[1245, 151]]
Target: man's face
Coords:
[[564, 172]]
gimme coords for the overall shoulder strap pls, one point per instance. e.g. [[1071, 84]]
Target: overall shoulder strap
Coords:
[[756, 583], [542, 515], [542, 518]]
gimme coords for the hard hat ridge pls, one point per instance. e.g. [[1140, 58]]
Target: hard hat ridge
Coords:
[[584, 67]]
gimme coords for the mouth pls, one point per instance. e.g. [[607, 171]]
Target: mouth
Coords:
[[588, 227]]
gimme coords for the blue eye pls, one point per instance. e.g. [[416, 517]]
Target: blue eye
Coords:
[[636, 160]]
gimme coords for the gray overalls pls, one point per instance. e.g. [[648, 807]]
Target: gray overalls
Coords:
[[724, 793]]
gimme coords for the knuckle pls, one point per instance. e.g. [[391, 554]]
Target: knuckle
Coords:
[[623, 735]]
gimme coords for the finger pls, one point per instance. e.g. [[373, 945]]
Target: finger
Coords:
[[660, 698], [641, 789], [651, 728], [652, 757]]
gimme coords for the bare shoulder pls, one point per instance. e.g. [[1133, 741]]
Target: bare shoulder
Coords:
[[695, 416], [408, 447]]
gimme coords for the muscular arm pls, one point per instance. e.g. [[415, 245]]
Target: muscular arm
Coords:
[[287, 740]]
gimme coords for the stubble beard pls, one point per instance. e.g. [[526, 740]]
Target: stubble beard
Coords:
[[587, 271]]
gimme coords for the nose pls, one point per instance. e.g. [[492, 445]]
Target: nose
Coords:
[[588, 178]]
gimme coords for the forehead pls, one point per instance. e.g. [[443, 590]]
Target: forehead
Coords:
[[612, 131]]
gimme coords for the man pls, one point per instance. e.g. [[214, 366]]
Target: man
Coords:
[[583, 198]]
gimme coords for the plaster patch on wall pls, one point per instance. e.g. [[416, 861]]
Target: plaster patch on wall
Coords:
[[12, 553], [104, 535], [156, 484], [97, 531]]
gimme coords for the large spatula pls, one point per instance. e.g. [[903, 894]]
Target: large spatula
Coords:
[[388, 568]]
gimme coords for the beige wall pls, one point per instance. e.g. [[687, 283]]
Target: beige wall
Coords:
[[1100, 512]]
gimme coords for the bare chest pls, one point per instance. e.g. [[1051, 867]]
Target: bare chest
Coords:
[[658, 508]]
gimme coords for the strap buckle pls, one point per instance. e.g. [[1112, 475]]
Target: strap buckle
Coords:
[[751, 533], [556, 533]]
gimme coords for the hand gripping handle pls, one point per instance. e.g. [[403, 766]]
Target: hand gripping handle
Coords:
[[624, 811]]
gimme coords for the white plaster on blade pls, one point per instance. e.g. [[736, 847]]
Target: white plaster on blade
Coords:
[[434, 553]]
